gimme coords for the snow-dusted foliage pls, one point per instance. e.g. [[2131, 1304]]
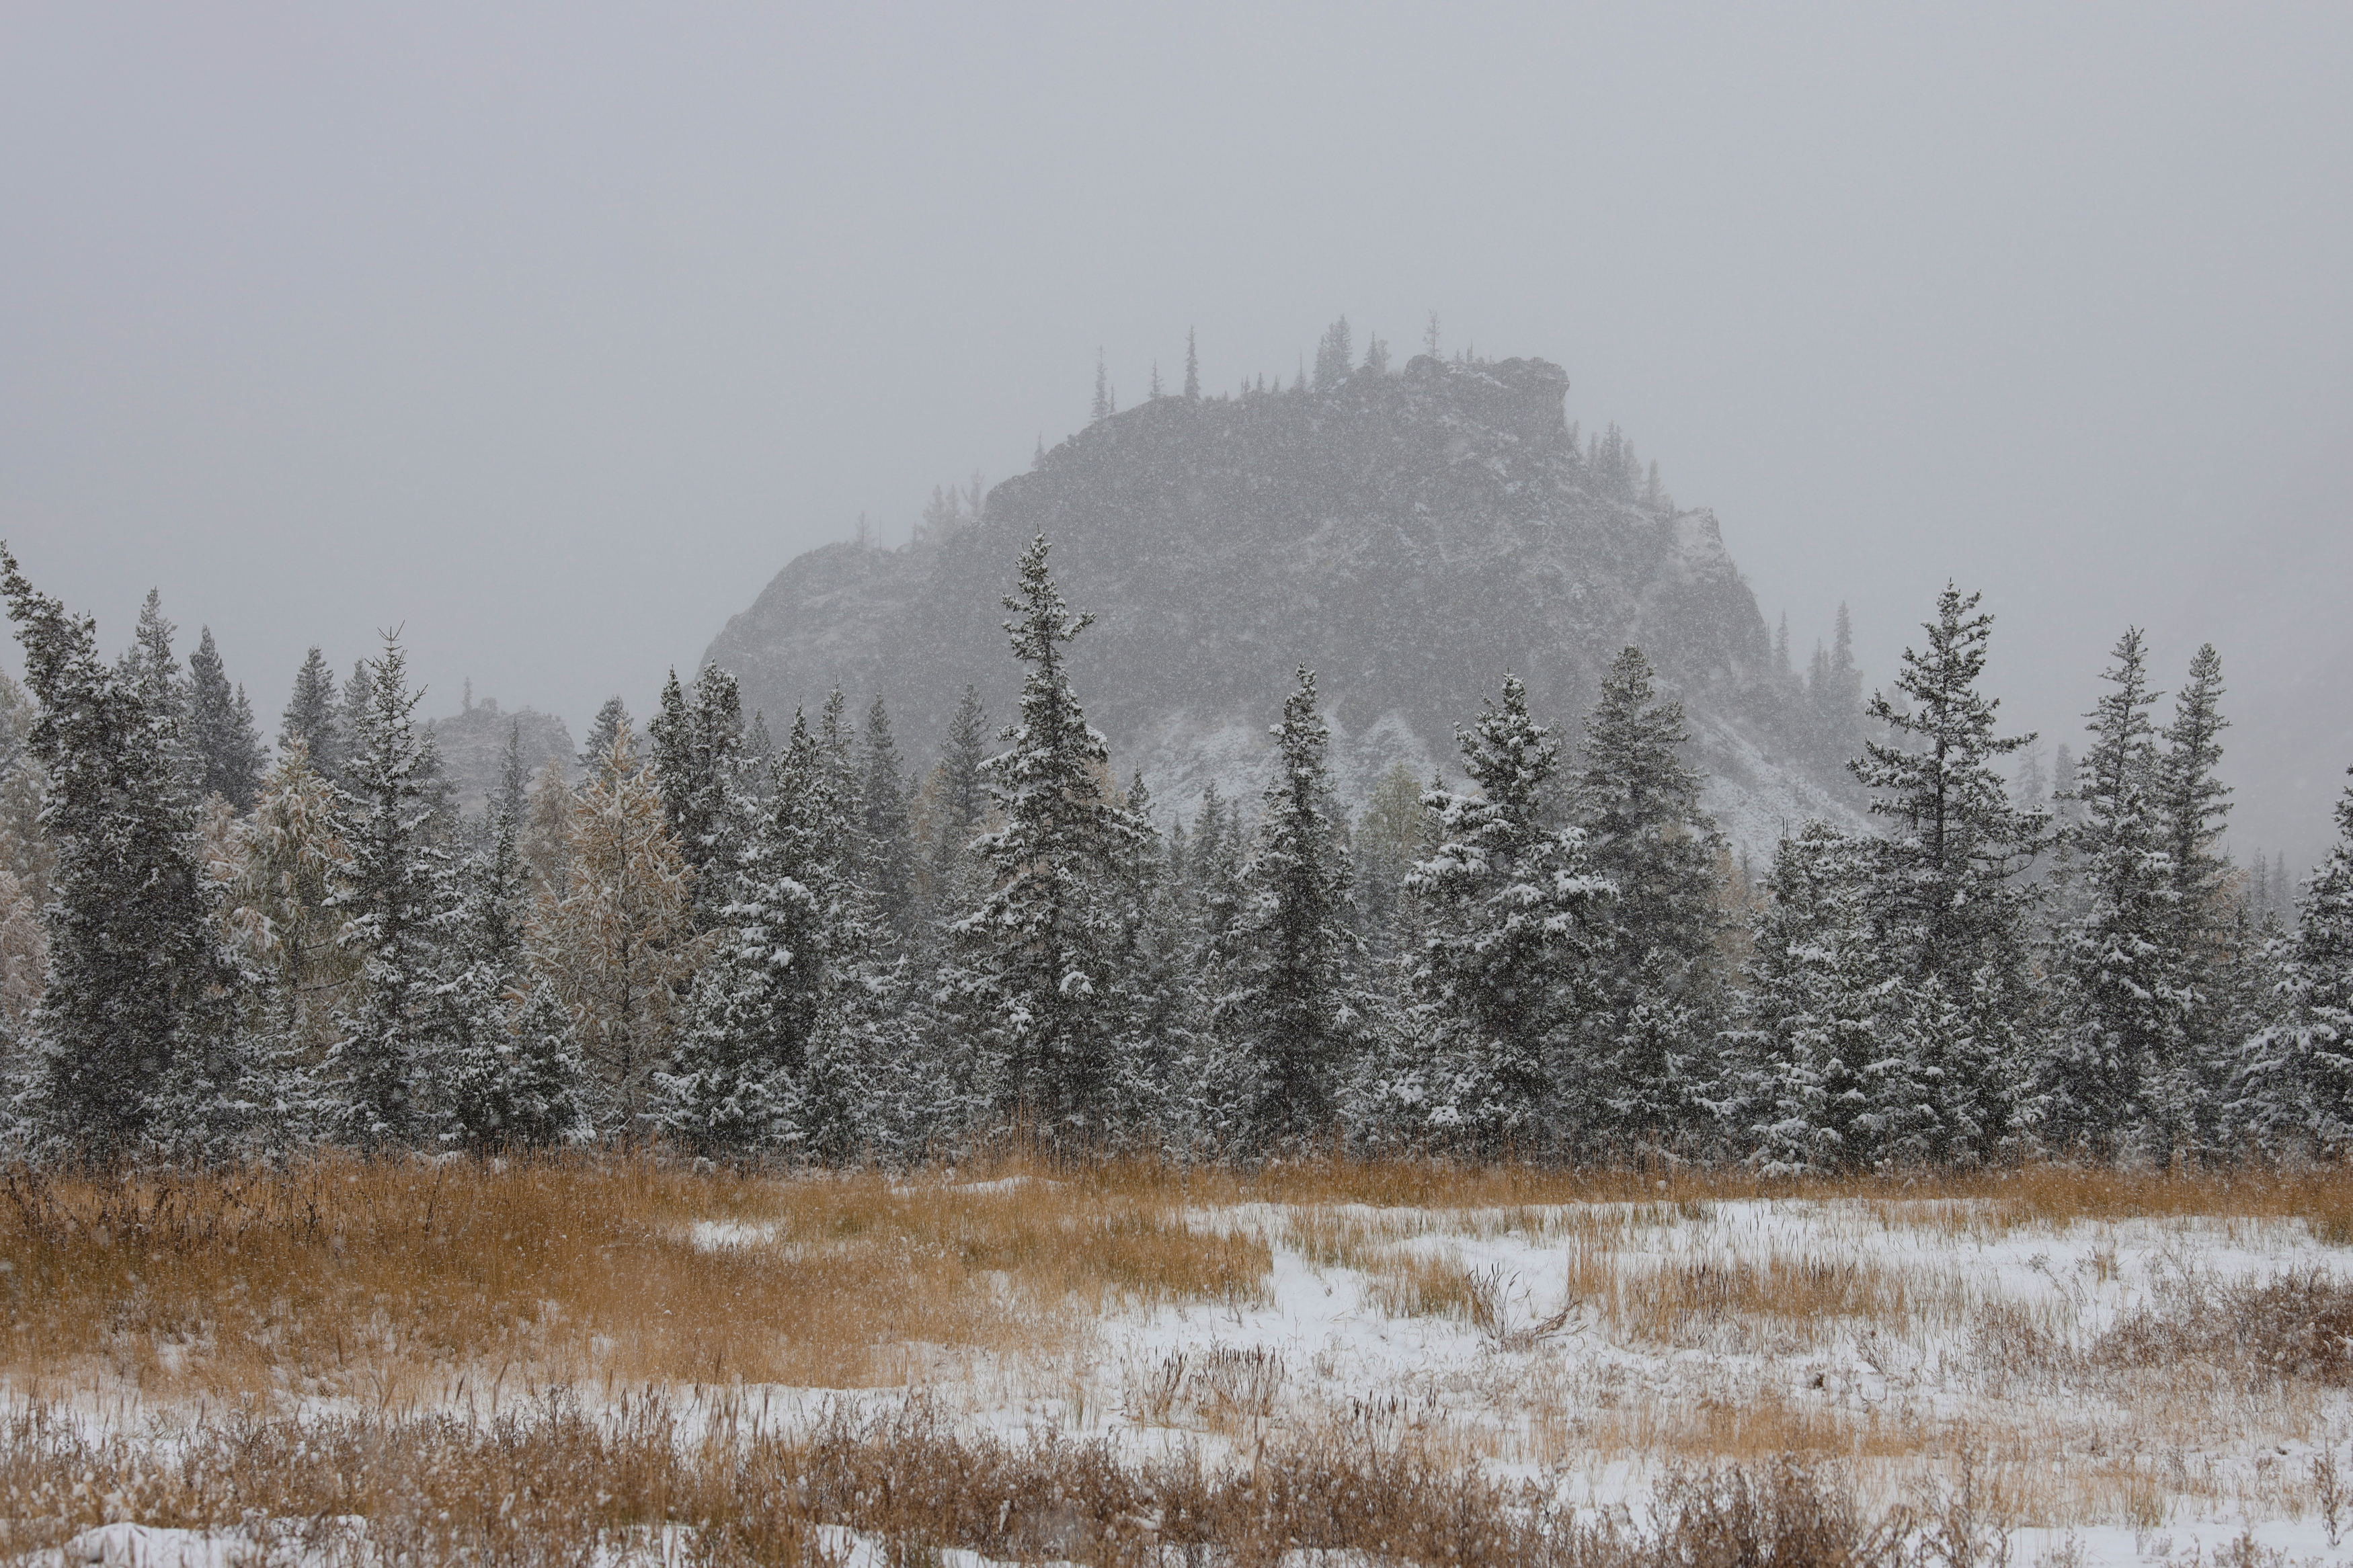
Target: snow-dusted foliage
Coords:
[[2117, 1051], [823, 954], [398, 899], [619, 947], [2297, 1081], [1653, 1035], [135, 1041], [1291, 1001], [1046, 934], [1517, 921]]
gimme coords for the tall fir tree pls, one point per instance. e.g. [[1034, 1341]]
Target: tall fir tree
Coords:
[[1811, 1096], [1192, 368], [1948, 900], [611, 723], [1517, 919], [699, 768], [2113, 1063], [358, 699], [399, 901], [1293, 1001], [224, 746], [135, 1043], [313, 717], [1645, 830], [766, 1059], [1043, 932], [151, 670], [2220, 965]]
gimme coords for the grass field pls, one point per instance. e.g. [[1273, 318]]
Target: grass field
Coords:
[[2052, 1361]]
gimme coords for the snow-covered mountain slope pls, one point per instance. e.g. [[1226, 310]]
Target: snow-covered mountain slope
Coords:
[[1411, 537]]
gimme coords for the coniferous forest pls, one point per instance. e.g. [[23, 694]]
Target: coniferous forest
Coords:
[[755, 936]]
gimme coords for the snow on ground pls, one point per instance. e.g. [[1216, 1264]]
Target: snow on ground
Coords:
[[1562, 1384], [1590, 1348]]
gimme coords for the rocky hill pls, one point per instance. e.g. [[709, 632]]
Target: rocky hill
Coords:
[[1410, 536], [474, 745]]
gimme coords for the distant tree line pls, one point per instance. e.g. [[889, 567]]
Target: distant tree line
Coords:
[[753, 947]]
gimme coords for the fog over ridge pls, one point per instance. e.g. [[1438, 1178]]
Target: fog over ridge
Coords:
[[551, 336]]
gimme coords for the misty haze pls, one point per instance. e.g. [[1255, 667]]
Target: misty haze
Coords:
[[1261, 786]]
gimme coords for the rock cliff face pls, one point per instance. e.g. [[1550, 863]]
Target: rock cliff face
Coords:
[[1411, 537]]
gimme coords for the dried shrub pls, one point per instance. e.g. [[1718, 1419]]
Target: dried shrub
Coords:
[[2296, 1326], [1784, 1515]]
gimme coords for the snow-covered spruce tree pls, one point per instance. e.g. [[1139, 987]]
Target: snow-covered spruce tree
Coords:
[[399, 901], [1213, 888], [2116, 1049], [619, 947], [1214, 1090], [359, 696], [223, 746], [1160, 1069], [1292, 1002], [1516, 921], [1809, 1043], [151, 670], [2221, 966], [2296, 1086], [886, 834], [516, 1074], [1660, 993], [698, 765], [766, 1007], [1947, 900], [135, 1042], [546, 1091], [611, 723], [1043, 932], [312, 716]]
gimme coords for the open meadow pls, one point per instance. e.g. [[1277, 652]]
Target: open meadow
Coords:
[[569, 1359]]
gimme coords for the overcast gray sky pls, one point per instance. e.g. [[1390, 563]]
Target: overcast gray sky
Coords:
[[551, 331]]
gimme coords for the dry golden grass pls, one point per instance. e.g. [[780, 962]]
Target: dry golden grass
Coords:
[[2050, 1194], [390, 1281], [392, 1292], [546, 1485]]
